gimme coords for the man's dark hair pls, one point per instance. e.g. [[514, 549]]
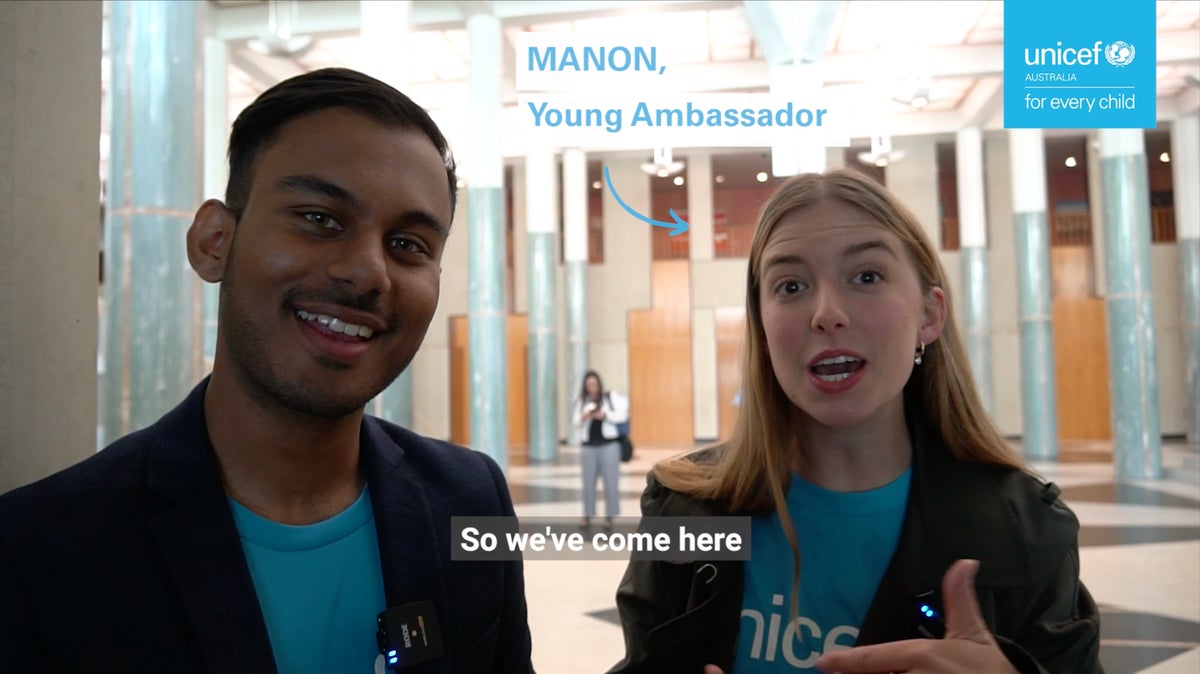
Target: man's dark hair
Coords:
[[259, 124]]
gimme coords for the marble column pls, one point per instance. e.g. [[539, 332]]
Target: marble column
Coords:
[[705, 377], [541, 208], [575, 268], [1137, 440], [1185, 163], [152, 297], [1039, 402], [973, 248], [487, 310]]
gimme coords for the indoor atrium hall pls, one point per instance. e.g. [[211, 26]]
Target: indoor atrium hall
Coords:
[[580, 243]]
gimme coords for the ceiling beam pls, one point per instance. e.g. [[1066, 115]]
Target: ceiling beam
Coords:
[[324, 17], [791, 32], [981, 103]]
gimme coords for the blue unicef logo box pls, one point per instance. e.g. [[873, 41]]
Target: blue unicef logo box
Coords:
[[1073, 64]]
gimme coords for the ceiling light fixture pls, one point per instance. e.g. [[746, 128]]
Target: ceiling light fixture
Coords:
[[761, 177], [917, 92], [278, 40], [1165, 157], [881, 153], [663, 164], [1070, 162], [678, 180]]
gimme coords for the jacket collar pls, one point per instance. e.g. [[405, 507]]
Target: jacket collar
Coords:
[[955, 511], [410, 550], [194, 528], [199, 542]]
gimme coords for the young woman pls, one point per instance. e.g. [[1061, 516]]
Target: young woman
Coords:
[[886, 508], [597, 413]]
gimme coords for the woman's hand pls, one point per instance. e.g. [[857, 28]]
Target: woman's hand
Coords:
[[967, 647]]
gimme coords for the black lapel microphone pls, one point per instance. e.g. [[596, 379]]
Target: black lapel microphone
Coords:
[[931, 622], [409, 635]]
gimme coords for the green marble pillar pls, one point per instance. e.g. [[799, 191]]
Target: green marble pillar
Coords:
[[487, 310], [152, 297], [1137, 440], [1039, 401]]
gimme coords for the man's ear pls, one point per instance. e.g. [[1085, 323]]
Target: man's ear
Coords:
[[933, 318], [209, 240]]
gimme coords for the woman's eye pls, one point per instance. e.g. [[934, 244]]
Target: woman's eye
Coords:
[[868, 277], [789, 287]]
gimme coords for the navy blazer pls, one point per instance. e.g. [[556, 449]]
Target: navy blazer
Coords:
[[130, 561]]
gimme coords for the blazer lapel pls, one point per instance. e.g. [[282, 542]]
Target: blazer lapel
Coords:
[[410, 551], [200, 546]]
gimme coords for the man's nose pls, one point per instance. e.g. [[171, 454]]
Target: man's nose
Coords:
[[362, 263]]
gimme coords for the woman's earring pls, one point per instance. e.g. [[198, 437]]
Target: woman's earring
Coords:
[[920, 353]]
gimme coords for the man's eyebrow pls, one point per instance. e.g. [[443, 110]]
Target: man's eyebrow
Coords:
[[315, 185], [419, 217], [320, 186]]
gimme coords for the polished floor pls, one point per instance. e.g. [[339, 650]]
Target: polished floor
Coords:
[[1139, 550]]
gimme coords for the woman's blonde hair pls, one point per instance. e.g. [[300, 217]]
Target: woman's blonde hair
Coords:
[[752, 475]]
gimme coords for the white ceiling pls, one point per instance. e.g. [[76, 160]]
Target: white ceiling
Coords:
[[874, 52]]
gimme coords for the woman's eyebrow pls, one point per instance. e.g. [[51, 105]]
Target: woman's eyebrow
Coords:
[[790, 259], [864, 246]]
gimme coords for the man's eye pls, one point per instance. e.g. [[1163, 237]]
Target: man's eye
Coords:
[[322, 220], [406, 245]]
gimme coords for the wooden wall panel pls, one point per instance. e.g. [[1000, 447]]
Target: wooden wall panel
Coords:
[[660, 361], [1081, 369], [729, 326], [460, 382], [518, 389], [1080, 346]]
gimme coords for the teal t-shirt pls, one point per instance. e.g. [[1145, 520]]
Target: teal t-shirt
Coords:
[[320, 587], [846, 541]]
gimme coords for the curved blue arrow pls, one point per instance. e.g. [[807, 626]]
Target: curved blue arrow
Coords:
[[679, 227]]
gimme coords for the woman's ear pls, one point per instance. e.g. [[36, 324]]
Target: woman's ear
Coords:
[[209, 240], [933, 317]]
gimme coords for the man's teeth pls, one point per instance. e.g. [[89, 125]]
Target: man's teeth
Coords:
[[337, 325]]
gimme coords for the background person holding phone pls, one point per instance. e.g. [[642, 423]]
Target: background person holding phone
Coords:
[[597, 413]]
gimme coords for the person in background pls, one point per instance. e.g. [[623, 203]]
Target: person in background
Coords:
[[597, 413], [262, 525], [892, 527]]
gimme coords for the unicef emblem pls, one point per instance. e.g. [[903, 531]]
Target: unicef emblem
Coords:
[[1119, 54]]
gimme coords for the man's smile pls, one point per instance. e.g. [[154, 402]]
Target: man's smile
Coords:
[[336, 325]]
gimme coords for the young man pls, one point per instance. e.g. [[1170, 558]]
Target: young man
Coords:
[[262, 524]]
